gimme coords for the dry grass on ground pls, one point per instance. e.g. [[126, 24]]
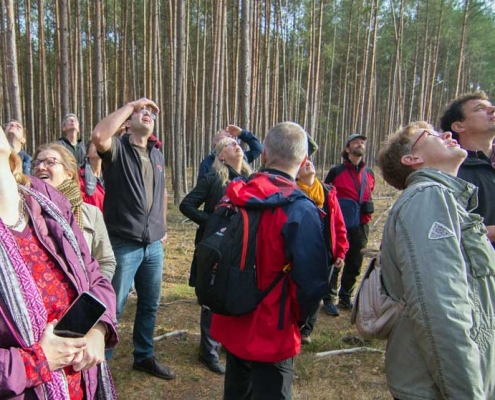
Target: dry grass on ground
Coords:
[[351, 377]]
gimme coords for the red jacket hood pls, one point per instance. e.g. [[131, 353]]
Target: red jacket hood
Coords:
[[262, 190]]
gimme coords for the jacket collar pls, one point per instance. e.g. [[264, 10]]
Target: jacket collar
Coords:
[[64, 139], [466, 193]]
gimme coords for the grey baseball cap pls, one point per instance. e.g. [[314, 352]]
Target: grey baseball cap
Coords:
[[354, 136]]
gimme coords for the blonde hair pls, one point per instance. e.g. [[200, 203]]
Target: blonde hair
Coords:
[[220, 167], [67, 159], [16, 168], [398, 145]]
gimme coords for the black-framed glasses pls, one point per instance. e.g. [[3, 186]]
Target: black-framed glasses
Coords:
[[48, 162], [425, 133]]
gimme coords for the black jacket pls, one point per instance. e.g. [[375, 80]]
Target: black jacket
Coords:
[[208, 191], [125, 206], [78, 151], [478, 170]]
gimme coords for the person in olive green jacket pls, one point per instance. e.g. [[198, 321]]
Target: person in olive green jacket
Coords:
[[437, 258]]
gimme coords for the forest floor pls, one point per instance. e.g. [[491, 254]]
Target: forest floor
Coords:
[[355, 376]]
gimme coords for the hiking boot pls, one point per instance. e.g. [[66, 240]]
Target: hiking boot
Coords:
[[153, 367], [331, 309], [346, 304], [213, 365], [306, 339]]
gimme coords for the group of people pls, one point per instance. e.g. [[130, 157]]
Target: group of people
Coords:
[[56, 244], [65, 228]]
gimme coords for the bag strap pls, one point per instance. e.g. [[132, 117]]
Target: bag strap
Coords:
[[359, 190], [363, 185], [283, 297]]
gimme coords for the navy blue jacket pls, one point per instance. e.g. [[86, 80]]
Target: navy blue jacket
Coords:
[[255, 148]]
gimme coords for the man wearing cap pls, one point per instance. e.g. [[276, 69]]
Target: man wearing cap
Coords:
[[70, 140], [354, 183]]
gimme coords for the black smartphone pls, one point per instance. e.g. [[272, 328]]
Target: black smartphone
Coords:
[[82, 315]]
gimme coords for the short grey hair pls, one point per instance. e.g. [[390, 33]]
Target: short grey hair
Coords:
[[286, 144], [70, 115]]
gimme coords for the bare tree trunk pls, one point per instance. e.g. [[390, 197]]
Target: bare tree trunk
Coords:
[[245, 75], [11, 64], [43, 90], [3, 55], [371, 74], [462, 45], [81, 109], [29, 110], [97, 64], [64, 57], [178, 131]]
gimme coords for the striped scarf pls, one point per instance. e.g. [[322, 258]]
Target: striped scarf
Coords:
[[71, 190]]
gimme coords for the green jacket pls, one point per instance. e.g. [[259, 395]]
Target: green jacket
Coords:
[[436, 256]]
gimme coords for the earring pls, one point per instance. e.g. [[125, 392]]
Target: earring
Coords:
[[223, 161]]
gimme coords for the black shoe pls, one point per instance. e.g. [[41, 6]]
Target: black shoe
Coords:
[[346, 304], [331, 309], [153, 367], [213, 365]]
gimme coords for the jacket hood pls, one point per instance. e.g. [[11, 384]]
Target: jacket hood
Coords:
[[465, 192], [263, 190]]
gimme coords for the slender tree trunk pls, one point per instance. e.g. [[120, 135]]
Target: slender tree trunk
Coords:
[[29, 110], [11, 64], [245, 75], [178, 131], [462, 45], [97, 64]]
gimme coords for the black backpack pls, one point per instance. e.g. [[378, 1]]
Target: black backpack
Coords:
[[226, 280]]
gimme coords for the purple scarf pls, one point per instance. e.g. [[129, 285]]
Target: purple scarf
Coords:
[[23, 299]]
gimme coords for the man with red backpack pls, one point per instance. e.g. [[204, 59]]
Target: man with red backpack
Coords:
[[354, 183], [261, 345]]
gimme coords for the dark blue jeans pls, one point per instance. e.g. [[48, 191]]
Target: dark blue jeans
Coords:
[[142, 263]]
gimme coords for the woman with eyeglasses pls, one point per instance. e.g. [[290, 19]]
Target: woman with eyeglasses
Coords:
[[44, 265], [229, 164], [56, 166], [437, 258]]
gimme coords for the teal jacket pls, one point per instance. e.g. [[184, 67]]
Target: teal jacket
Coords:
[[436, 256]]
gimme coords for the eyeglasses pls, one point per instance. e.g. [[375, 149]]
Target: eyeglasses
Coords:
[[231, 144], [145, 111], [47, 162], [426, 133]]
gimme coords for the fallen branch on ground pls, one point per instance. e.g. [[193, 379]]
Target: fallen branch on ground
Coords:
[[170, 334], [347, 351], [180, 301]]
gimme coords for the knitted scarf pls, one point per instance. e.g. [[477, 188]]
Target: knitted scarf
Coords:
[[23, 299], [314, 192], [71, 190]]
